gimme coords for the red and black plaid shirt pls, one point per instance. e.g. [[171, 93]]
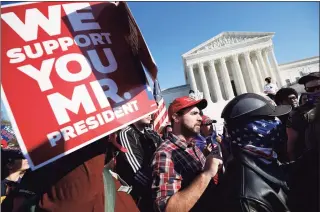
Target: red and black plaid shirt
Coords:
[[175, 165]]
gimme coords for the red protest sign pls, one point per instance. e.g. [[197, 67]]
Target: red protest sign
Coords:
[[71, 74]]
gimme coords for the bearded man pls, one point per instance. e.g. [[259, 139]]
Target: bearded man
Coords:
[[182, 175]]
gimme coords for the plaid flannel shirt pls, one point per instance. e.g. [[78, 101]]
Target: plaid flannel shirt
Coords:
[[175, 165]]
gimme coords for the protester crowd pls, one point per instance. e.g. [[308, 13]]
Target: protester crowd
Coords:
[[266, 160]]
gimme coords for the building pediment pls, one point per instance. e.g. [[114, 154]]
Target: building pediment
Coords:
[[227, 39]]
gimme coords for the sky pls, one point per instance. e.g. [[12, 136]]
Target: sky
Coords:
[[173, 28]]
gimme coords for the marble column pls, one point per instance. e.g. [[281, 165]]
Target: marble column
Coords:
[[238, 77], [226, 79], [252, 74], [276, 67], [192, 80], [261, 64], [258, 72], [204, 83], [269, 69], [215, 81]]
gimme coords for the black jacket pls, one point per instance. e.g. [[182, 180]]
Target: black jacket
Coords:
[[304, 183], [250, 185], [135, 165]]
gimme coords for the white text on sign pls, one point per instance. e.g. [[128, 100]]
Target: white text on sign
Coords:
[[82, 21]]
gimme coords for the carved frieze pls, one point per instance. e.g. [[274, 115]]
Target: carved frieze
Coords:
[[226, 41]]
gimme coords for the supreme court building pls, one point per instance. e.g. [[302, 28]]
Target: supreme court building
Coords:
[[230, 64], [234, 63]]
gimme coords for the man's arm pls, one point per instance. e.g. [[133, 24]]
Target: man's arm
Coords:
[[265, 89], [128, 141], [134, 156], [186, 199], [167, 183]]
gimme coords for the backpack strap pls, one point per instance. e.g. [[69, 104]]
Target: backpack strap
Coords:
[[109, 191]]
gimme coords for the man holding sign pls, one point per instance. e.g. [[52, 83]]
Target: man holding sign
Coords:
[[69, 62]]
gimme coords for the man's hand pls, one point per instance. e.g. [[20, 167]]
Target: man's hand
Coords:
[[207, 150], [185, 199], [212, 165]]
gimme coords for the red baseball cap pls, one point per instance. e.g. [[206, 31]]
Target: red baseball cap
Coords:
[[4, 144], [206, 120], [184, 102]]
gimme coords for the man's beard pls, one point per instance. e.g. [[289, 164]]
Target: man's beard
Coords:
[[190, 131]]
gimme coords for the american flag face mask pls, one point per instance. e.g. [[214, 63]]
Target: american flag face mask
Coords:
[[257, 137]]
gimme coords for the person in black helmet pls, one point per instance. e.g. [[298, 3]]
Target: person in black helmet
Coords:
[[254, 179]]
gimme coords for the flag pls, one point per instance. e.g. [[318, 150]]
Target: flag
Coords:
[[7, 133], [161, 116]]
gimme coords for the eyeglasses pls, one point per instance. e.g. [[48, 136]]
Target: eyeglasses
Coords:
[[292, 98]]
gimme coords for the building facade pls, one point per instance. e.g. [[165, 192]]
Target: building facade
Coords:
[[292, 71], [230, 64], [234, 63]]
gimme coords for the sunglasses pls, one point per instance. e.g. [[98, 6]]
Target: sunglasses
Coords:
[[312, 89], [206, 124]]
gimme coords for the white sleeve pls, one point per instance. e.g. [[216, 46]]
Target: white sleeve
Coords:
[[274, 88]]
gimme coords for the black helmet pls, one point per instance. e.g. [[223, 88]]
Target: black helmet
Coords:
[[311, 76], [250, 105]]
